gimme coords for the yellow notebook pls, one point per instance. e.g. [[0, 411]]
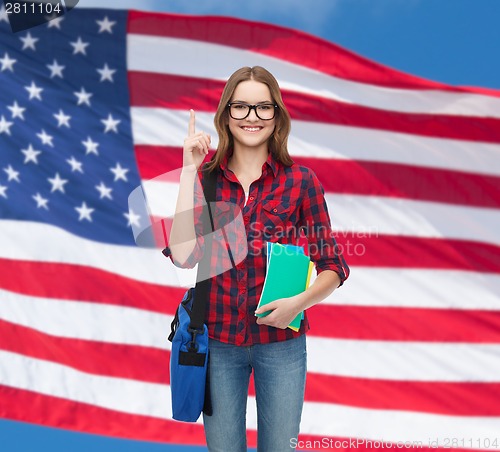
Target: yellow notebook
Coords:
[[288, 274]]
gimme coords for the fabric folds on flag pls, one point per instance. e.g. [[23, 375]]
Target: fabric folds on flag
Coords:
[[95, 104]]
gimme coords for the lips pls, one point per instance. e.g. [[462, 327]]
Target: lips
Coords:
[[252, 129]]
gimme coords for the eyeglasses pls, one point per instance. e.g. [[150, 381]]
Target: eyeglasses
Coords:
[[239, 110]]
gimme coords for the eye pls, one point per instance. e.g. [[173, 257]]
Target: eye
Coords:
[[265, 107], [239, 106]]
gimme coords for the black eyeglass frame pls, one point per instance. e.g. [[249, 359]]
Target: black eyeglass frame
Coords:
[[250, 108]]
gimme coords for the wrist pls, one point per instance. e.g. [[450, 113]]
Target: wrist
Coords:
[[301, 302], [188, 172]]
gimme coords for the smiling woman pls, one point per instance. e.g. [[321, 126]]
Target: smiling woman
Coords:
[[254, 170]]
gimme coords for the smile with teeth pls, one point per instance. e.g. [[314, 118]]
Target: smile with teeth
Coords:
[[251, 129]]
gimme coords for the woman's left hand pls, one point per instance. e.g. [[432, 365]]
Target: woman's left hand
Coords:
[[283, 311]]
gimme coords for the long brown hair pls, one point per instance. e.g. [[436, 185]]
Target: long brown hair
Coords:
[[279, 138]]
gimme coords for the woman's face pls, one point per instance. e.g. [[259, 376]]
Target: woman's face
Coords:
[[251, 132]]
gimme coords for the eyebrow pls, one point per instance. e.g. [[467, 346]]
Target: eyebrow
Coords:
[[245, 102]]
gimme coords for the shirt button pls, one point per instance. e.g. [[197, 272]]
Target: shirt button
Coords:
[[251, 198], [246, 218], [275, 210]]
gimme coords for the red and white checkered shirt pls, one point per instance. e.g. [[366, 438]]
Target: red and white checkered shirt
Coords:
[[282, 202]]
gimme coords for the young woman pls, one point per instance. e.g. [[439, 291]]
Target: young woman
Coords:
[[280, 201]]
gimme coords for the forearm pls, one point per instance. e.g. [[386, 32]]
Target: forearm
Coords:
[[182, 238], [325, 283], [284, 310]]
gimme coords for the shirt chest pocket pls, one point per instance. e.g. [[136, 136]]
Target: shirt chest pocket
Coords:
[[275, 217]]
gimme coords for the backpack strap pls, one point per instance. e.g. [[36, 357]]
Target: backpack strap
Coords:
[[201, 293]]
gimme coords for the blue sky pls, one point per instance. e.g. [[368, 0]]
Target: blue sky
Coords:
[[451, 41]]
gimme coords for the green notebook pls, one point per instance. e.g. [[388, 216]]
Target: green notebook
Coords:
[[288, 273]]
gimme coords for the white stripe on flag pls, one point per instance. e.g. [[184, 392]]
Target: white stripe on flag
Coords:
[[88, 321], [411, 361], [399, 426], [129, 396], [373, 215], [59, 246], [419, 288]]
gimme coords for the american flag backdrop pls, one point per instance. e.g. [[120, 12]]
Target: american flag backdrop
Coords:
[[95, 104]]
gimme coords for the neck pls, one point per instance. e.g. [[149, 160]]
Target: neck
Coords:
[[248, 160]]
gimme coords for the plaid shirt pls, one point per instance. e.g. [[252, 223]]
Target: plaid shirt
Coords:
[[286, 205]]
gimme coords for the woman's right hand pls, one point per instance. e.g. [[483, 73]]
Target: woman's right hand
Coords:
[[196, 146]]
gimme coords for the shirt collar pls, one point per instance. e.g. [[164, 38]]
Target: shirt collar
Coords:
[[271, 162]]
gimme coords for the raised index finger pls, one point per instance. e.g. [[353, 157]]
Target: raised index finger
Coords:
[[191, 128]]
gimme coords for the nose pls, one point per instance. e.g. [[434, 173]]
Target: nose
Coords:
[[252, 115]]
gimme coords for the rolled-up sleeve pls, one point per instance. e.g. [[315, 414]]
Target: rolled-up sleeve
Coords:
[[197, 253], [315, 223], [193, 258]]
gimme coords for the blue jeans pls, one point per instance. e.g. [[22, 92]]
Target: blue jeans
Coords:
[[279, 374]]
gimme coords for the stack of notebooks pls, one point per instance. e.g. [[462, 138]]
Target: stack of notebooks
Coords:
[[288, 273]]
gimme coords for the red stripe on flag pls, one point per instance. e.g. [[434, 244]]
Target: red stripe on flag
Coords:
[[381, 250], [405, 181], [155, 161], [404, 324], [362, 178], [371, 249], [128, 361], [78, 282]]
